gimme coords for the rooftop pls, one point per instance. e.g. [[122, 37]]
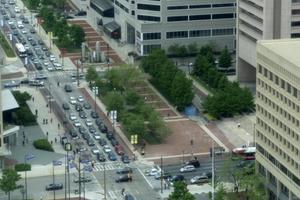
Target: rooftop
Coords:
[[8, 101]]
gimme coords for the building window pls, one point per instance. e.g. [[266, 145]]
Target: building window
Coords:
[[200, 33], [151, 36], [222, 5], [147, 49], [200, 17], [148, 18], [297, 23], [133, 12], [177, 34], [177, 18], [177, 7], [295, 35], [138, 34], [225, 31], [200, 6], [148, 7], [223, 16]]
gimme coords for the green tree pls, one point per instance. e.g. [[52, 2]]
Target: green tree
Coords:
[[77, 35], [33, 4], [181, 192], [156, 126], [182, 51], [48, 16], [225, 59], [114, 101], [8, 182], [201, 66], [132, 98], [173, 49], [192, 48], [91, 74], [134, 124], [60, 28], [21, 97]]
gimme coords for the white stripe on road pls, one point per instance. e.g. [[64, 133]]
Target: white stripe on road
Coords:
[[145, 178]]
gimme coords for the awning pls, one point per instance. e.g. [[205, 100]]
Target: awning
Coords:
[[103, 5], [112, 26], [8, 100]]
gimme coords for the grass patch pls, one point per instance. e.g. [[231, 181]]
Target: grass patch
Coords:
[[22, 167], [43, 144], [6, 47]]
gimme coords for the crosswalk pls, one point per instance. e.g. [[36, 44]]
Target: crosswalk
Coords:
[[108, 166]]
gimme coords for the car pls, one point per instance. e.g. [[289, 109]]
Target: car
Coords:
[[95, 150], [84, 179], [66, 106], [109, 135], [12, 83], [98, 121], [187, 168], [176, 178], [82, 130], [97, 136], [114, 142], [24, 31], [124, 178], [44, 48], [40, 42], [10, 22], [80, 99], [57, 66], [25, 21], [199, 179], [153, 172], [41, 77], [73, 134], [103, 128], [36, 83], [88, 122], [77, 123], [87, 106], [195, 162], [208, 174], [55, 186], [82, 115], [68, 88], [94, 115], [245, 163], [92, 129], [21, 26], [33, 43], [125, 170], [125, 159], [64, 140], [50, 68], [27, 46], [11, 2], [102, 142], [119, 149], [24, 81], [17, 9], [90, 142], [106, 149], [82, 148], [163, 175], [32, 31], [101, 157], [72, 116], [81, 13], [46, 63], [73, 100], [128, 197], [86, 136], [52, 58], [78, 107], [15, 32]]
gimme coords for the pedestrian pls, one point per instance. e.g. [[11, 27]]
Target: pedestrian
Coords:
[[58, 125], [47, 105], [23, 133], [55, 140], [46, 121], [24, 137], [51, 142], [47, 133], [32, 99], [77, 150], [36, 112], [122, 191], [74, 152], [51, 120], [23, 143], [57, 83]]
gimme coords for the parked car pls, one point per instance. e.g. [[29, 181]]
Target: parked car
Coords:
[[114, 142], [81, 13], [102, 142], [125, 170], [68, 88], [119, 149], [97, 136], [78, 107], [101, 157], [80, 99], [82, 114], [88, 122], [72, 116], [87, 106], [90, 142], [187, 168], [56, 186], [86, 136], [92, 129], [73, 100], [163, 175], [66, 106], [125, 159], [95, 150], [83, 180], [82, 130], [76, 123], [98, 121], [176, 178], [106, 149], [103, 128], [124, 178], [94, 115], [10, 84], [193, 162], [73, 134], [64, 140], [109, 135], [129, 197], [112, 156], [199, 179]]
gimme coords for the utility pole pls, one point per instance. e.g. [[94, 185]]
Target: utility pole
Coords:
[[104, 174], [79, 179], [77, 70], [213, 170], [161, 175]]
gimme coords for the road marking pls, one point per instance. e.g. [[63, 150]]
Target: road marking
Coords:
[[112, 194], [145, 178], [177, 156]]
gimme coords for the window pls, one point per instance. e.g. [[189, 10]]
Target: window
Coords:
[[221, 5], [177, 34], [200, 17], [297, 23], [151, 36], [177, 7], [177, 18], [200, 6], [147, 49], [148, 7], [133, 12], [223, 16], [148, 18], [225, 31], [200, 33]]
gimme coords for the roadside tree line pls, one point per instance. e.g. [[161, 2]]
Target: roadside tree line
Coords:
[[117, 90], [168, 79]]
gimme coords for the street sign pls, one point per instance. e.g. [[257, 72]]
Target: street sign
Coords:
[[26, 61], [134, 139], [95, 90], [113, 115]]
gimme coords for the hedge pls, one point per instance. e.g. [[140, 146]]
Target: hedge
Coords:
[[22, 167], [42, 144]]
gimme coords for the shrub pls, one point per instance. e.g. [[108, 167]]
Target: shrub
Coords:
[[42, 144], [21, 167]]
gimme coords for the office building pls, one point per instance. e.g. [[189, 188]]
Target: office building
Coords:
[[277, 128], [262, 20], [149, 24]]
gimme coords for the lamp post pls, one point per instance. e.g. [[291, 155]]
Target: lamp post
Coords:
[[95, 91], [27, 157], [68, 148], [213, 170], [54, 163]]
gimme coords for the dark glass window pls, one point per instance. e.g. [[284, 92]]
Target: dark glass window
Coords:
[[295, 23], [223, 16], [295, 35], [220, 5], [177, 34], [148, 7], [200, 17], [148, 18], [200, 6], [147, 49], [151, 36], [199, 33], [296, 12], [177, 18], [177, 7]]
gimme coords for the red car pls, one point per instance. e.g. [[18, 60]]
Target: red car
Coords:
[[119, 149]]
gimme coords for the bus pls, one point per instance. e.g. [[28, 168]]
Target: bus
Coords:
[[21, 51], [245, 153]]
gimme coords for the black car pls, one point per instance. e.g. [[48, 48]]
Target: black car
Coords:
[[87, 106], [78, 107], [68, 88], [109, 135], [38, 66], [195, 162], [86, 136], [64, 140], [124, 178], [73, 134], [80, 13], [94, 115], [25, 21], [103, 128], [98, 121], [90, 142], [125, 159], [129, 197], [125, 170], [102, 142], [66, 106], [101, 157], [92, 129], [56, 186], [82, 130], [114, 142], [83, 180], [32, 30], [40, 42], [82, 114], [177, 178], [33, 43]]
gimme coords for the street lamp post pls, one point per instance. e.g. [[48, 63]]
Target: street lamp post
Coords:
[[54, 163], [27, 157], [68, 148], [95, 91], [213, 170]]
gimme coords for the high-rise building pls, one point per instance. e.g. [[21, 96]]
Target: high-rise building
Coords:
[[262, 20], [277, 129], [149, 24]]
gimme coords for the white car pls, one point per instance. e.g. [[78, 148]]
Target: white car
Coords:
[[73, 116], [24, 31], [10, 22], [20, 26], [106, 149], [187, 168], [57, 66], [77, 123], [50, 68], [153, 172], [80, 99], [97, 136], [46, 63], [95, 150], [88, 122], [52, 58], [73, 100], [17, 9]]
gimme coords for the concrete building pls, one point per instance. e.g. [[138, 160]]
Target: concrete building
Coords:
[[262, 20], [277, 128], [149, 24]]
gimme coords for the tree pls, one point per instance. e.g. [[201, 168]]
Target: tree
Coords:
[[192, 48], [134, 124], [8, 182], [225, 59], [173, 49], [91, 74], [77, 35], [201, 66], [132, 98], [114, 101], [181, 192], [33, 4]]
